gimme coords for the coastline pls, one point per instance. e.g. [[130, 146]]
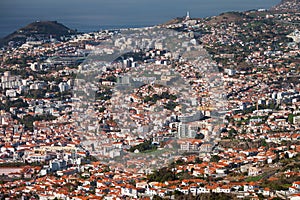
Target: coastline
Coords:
[[119, 18]]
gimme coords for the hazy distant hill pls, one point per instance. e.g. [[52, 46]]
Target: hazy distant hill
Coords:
[[223, 17], [37, 30], [228, 17], [175, 21], [288, 5]]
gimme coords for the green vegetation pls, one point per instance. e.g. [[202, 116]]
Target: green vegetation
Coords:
[[184, 175], [254, 178], [162, 175], [137, 56], [102, 109], [19, 103], [171, 105], [38, 29], [104, 94], [264, 143], [109, 78], [199, 136], [205, 196], [14, 164], [282, 183], [231, 132], [21, 61], [290, 118], [28, 120], [19, 164], [144, 147], [90, 158], [154, 98], [36, 94], [156, 197], [215, 158]]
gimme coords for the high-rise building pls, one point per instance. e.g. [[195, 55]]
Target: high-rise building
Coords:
[[185, 131]]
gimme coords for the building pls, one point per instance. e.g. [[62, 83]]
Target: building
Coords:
[[253, 171], [10, 82], [187, 16], [190, 145], [63, 86], [296, 119], [195, 116], [295, 36], [123, 80], [183, 130]]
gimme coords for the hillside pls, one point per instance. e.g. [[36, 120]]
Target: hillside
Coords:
[[287, 5], [227, 17], [36, 31], [174, 21]]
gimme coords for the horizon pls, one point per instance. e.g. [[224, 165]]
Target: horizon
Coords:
[[103, 15]]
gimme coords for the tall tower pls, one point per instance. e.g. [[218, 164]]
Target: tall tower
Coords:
[[187, 15]]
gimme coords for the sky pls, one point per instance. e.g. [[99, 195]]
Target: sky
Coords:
[[87, 15]]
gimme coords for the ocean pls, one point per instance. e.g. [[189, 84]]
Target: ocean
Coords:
[[93, 15]]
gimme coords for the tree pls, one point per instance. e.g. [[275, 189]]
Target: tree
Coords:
[[170, 105], [264, 143], [28, 120], [215, 158], [36, 94], [162, 175], [199, 136], [290, 118], [198, 160], [145, 146], [156, 197], [231, 132]]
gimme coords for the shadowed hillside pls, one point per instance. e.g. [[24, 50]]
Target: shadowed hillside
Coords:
[[37, 31]]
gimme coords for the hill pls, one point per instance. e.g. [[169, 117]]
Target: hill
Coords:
[[174, 21], [227, 17], [287, 5], [37, 31]]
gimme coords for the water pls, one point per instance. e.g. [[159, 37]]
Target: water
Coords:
[[91, 15]]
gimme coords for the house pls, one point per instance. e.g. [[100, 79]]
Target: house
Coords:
[[142, 184], [266, 192], [37, 158], [250, 187], [295, 196], [295, 188], [296, 184], [184, 189], [202, 190], [225, 189], [253, 171], [151, 191], [129, 190]]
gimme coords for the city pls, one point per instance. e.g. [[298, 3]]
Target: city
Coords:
[[196, 108]]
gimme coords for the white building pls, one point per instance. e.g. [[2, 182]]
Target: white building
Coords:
[[185, 131], [63, 86], [10, 82]]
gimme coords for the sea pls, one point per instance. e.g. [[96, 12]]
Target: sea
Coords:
[[94, 15]]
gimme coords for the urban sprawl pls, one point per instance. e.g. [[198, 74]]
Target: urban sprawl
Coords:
[[192, 109]]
